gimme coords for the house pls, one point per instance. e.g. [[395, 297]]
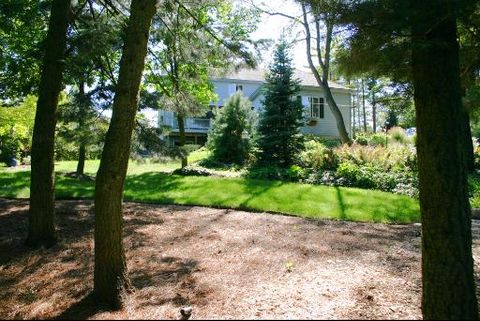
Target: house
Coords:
[[319, 120]]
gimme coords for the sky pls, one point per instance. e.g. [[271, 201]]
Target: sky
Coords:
[[272, 26]]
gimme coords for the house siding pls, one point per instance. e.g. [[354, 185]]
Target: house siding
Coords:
[[326, 126]]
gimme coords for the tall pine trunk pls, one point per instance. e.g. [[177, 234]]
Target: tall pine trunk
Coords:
[[447, 265], [110, 275], [183, 139], [41, 224]]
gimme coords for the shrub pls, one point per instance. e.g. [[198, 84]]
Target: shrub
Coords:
[[318, 156], [398, 135], [362, 138], [378, 139], [230, 139], [192, 171], [293, 173], [371, 139]]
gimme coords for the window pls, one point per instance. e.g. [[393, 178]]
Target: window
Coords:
[[317, 107], [238, 87]]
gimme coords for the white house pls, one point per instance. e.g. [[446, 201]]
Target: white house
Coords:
[[319, 119]]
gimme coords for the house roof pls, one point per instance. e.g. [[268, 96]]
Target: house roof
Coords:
[[258, 75]]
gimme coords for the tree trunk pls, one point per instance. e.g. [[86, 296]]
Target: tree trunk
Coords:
[[81, 160], [447, 265], [374, 112], [183, 139], [363, 107], [467, 143], [323, 80], [41, 225], [110, 275], [81, 123]]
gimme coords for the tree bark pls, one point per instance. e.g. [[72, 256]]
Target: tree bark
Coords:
[[81, 123], [81, 160], [41, 220], [110, 275], [447, 265], [363, 107], [374, 112], [183, 138], [467, 143]]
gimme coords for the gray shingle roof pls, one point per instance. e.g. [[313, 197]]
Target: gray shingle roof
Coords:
[[258, 75]]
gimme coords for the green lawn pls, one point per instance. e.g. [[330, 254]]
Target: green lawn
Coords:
[[146, 184]]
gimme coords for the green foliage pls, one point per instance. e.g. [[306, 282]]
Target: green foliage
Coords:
[[16, 129], [79, 124], [279, 141], [23, 27], [391, 168], [371, 139], [192, 171], [294, 173], [232, 133], [318, 156], [397, 134]]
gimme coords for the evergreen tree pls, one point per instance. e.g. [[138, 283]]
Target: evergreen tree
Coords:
[[110, 274], [41, 225], [232, 131], [279, 139]]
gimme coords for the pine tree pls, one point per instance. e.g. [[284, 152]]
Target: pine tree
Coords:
[[231, 125], [279, 140]]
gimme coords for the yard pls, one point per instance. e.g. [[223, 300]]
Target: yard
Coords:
[[152, 183], [226, 264]]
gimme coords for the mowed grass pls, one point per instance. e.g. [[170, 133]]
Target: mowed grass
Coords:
[[145, 183]]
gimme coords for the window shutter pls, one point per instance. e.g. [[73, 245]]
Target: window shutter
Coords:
[[322, 108]]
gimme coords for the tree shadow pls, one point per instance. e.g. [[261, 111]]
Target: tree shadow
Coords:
[[256, 188], [82, 310], [341, 203]]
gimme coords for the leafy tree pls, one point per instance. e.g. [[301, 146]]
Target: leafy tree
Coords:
[[41, 228], [110, 274], [279, 139], [323, 16], [23, 26], [16, 128], [230, 139]]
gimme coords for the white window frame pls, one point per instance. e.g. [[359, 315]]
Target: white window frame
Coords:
[[317, 107]]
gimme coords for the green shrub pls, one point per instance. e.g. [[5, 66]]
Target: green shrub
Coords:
[[362, 138], [293, 173], [318, 156], [378, 139], [192, 171], [230, 139], [397, 134]]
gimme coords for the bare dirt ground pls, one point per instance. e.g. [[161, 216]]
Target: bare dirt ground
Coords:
[[226, 264]]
